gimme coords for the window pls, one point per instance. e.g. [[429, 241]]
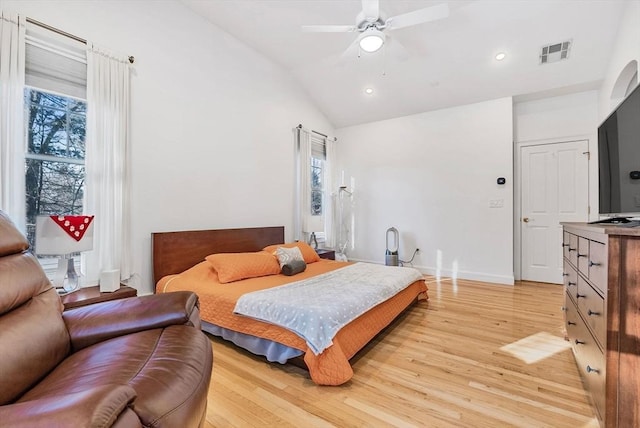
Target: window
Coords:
[[317, 191], [317, 186], [55, 125], [55, 171], [312, 215], [315, 223]]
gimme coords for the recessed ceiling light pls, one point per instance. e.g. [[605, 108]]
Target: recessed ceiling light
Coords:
[[368, 91], [500, 56]]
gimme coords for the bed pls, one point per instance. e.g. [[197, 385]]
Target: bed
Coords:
[[183, 261]]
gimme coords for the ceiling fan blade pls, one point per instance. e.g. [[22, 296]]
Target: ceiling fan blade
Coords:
[[329, 28], [395, 49], [418, 17], [352, 51], [371, 10]]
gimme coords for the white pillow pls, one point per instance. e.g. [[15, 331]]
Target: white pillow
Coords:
[[286, 255]]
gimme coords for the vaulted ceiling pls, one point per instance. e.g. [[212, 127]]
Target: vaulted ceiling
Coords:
[[428, 66]]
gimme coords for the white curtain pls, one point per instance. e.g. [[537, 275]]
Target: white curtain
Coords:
[[330, 186], [302, 198], [108, 163], [12, 142]]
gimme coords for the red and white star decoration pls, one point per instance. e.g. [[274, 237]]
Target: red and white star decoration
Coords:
[[74, 225]]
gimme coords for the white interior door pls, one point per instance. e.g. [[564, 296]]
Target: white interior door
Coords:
[[555, 188]]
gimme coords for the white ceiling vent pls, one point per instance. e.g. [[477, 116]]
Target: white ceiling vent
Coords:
[[555, 52]]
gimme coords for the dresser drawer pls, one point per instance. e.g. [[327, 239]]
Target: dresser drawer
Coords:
[[570, 280], [597, 265], [591, 363], [582, 256], [571, 248], [591, 307], [566, 242], [571, 318]]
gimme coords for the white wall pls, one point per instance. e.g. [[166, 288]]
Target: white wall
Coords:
[[211, 118], [432, 175], [626, 49], [561, 116]]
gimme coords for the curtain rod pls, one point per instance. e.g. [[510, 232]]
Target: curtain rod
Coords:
[[64, 33], [318, 133]]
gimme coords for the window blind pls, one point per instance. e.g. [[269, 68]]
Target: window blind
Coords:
[[55, 63], [318, 146]]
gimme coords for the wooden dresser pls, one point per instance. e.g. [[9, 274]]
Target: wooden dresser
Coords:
[[602, 316]]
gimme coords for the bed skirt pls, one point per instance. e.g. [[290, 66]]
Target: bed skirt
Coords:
[[274, 352]]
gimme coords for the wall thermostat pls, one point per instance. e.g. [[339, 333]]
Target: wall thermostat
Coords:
[[502, 180]]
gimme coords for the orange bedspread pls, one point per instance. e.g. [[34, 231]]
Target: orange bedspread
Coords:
[[332, 367]]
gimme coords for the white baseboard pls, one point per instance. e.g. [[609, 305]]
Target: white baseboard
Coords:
[[443, 273]]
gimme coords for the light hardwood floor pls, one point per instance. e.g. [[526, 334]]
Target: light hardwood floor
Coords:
[[474, 355]]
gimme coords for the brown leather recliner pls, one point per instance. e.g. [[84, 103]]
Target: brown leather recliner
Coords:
[[137, 362]]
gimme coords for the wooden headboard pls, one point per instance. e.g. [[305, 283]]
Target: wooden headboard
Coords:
[[175, 252]]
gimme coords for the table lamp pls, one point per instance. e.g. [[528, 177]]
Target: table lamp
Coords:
[[313, 224], [64, 235]]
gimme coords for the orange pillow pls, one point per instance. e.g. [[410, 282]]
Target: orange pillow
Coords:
[[236, 266], [308, 254]]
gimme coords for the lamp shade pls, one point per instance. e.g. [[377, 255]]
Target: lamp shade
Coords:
[[60, 235], [313, 223]]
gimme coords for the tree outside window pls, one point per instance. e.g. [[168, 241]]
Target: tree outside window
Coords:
[[317, 186], [55, 172]]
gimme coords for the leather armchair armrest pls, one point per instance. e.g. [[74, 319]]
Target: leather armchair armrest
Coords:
[[91, 324], [96, 407]]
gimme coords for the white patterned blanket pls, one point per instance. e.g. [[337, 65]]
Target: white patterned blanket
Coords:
[[317, 308]]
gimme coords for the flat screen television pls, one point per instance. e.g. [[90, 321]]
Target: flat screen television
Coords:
[[619, 161]]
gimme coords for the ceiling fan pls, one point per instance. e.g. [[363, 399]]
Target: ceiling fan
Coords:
[[372, 24]]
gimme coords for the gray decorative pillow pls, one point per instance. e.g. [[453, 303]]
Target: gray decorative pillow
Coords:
[[294, 267], [287, 255]]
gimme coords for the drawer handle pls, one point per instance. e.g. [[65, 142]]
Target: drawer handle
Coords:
[[572, 249], [592, 313], [590, 370], [578, 295], [579, 342], [565, 274], [571, 283], [592, 263], [570, 323], [564, 245], [582, 255], [563, 308]]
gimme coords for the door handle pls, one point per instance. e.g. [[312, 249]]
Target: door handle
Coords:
[[526, 219]]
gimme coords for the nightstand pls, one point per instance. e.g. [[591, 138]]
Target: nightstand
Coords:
[[90, 295], [325, 253]]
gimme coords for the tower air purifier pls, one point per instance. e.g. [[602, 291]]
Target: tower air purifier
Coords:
[[391, 254]]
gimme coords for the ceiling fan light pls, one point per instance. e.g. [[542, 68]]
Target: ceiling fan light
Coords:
[[372, 40]]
